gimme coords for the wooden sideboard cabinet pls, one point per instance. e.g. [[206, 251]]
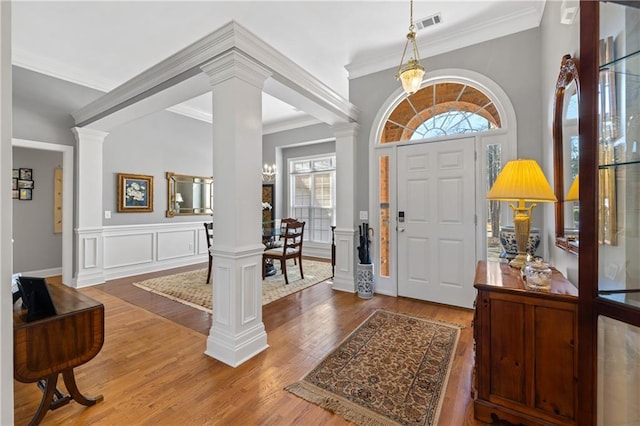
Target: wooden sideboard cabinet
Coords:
[[526, 348]]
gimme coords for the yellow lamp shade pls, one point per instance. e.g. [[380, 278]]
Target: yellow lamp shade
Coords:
[[574, 193], [521, 180]]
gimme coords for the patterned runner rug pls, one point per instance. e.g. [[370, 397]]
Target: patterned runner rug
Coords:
[[190, 287], [393, 369]]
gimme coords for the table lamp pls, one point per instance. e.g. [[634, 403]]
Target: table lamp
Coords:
[[521, 181], [179, 200], [574, 191]]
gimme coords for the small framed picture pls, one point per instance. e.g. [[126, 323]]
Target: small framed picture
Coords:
[[135, 193], [27, 184], [26, 194], [15, 174], [26, 174], [14, 184], [15, 194]]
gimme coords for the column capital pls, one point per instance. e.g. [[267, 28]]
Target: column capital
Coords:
[[87, 134], [234, 64], [345, 130]]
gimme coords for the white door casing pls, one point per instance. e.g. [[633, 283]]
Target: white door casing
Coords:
[[505, 136], [437, 240]]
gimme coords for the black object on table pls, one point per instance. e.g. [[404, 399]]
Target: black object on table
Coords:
[[270, 240]]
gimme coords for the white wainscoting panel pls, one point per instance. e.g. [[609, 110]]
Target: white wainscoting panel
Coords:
[[90, 252], [138, 249], [249, 298], [89, 262], [222, 302], [202, 241], [320, 250], [128, 249], [176, 243]]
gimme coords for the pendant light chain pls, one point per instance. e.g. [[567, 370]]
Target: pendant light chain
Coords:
[[410, 74]]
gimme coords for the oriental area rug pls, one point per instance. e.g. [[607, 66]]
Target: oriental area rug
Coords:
[[190, 288], [393, 369]]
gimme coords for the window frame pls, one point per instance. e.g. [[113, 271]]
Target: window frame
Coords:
[[310, 227]]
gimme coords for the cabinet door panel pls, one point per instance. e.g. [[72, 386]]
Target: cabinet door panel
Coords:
[[507, 348], [555, 363]]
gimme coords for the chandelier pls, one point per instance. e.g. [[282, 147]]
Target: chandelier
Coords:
[[269, 173], [411, 74]]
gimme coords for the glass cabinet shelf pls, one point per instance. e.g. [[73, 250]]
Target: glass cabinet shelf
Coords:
[[618, 164], [628, 65], [619, 173]]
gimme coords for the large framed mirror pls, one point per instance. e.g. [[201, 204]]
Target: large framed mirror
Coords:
[[189, 195], [566, 155]]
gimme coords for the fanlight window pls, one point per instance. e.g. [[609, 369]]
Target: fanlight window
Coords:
[[441, 109]]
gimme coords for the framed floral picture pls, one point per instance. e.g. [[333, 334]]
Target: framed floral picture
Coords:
[[135, 193]]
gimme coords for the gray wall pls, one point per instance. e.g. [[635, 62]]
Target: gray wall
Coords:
[[42, 106], [35, 245], [153, 145]]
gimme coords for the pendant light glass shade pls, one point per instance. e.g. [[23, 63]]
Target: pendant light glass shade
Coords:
[[411, 76]]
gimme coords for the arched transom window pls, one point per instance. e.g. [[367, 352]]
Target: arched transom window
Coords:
[[441, 109]]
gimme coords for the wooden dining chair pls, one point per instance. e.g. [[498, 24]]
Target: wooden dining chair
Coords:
[[291, 248], [208, 228], [283, 225]]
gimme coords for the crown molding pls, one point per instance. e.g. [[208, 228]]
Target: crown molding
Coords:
[[195, 113], [59, 70], [289, 124], [453, 40]]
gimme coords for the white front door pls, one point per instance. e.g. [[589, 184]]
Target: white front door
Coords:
[[437, 239]]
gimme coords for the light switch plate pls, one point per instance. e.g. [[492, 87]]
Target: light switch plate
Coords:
[[107, 214], [364, 215]]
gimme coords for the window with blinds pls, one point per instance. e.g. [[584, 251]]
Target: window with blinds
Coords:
[[313, 195]]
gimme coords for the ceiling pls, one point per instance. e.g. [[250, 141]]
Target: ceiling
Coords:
[[103, 44]]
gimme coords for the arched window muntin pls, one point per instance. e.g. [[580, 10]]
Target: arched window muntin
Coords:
[[437, 97]]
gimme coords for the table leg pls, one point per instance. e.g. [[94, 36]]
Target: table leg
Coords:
[[72, 387], [47, 396]]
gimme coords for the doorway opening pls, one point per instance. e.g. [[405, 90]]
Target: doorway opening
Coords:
[[67, 200]]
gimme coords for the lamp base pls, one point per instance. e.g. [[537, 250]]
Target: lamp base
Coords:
[[519, 261]]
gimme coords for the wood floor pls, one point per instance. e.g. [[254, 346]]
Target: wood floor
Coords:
[[152, 369]]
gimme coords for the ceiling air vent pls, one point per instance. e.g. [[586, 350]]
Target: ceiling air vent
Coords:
[[428, 21]]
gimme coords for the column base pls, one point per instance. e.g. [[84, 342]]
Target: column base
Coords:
[[234, 350]]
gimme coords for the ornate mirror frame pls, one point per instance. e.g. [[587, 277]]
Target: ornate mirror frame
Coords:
[[568, 74], [196, 197]]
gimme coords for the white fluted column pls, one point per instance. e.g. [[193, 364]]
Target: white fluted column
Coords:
[[237, 332], [344, 278], [88, 231]]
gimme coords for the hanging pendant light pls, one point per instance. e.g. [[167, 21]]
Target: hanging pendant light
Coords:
[[411, 74]]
